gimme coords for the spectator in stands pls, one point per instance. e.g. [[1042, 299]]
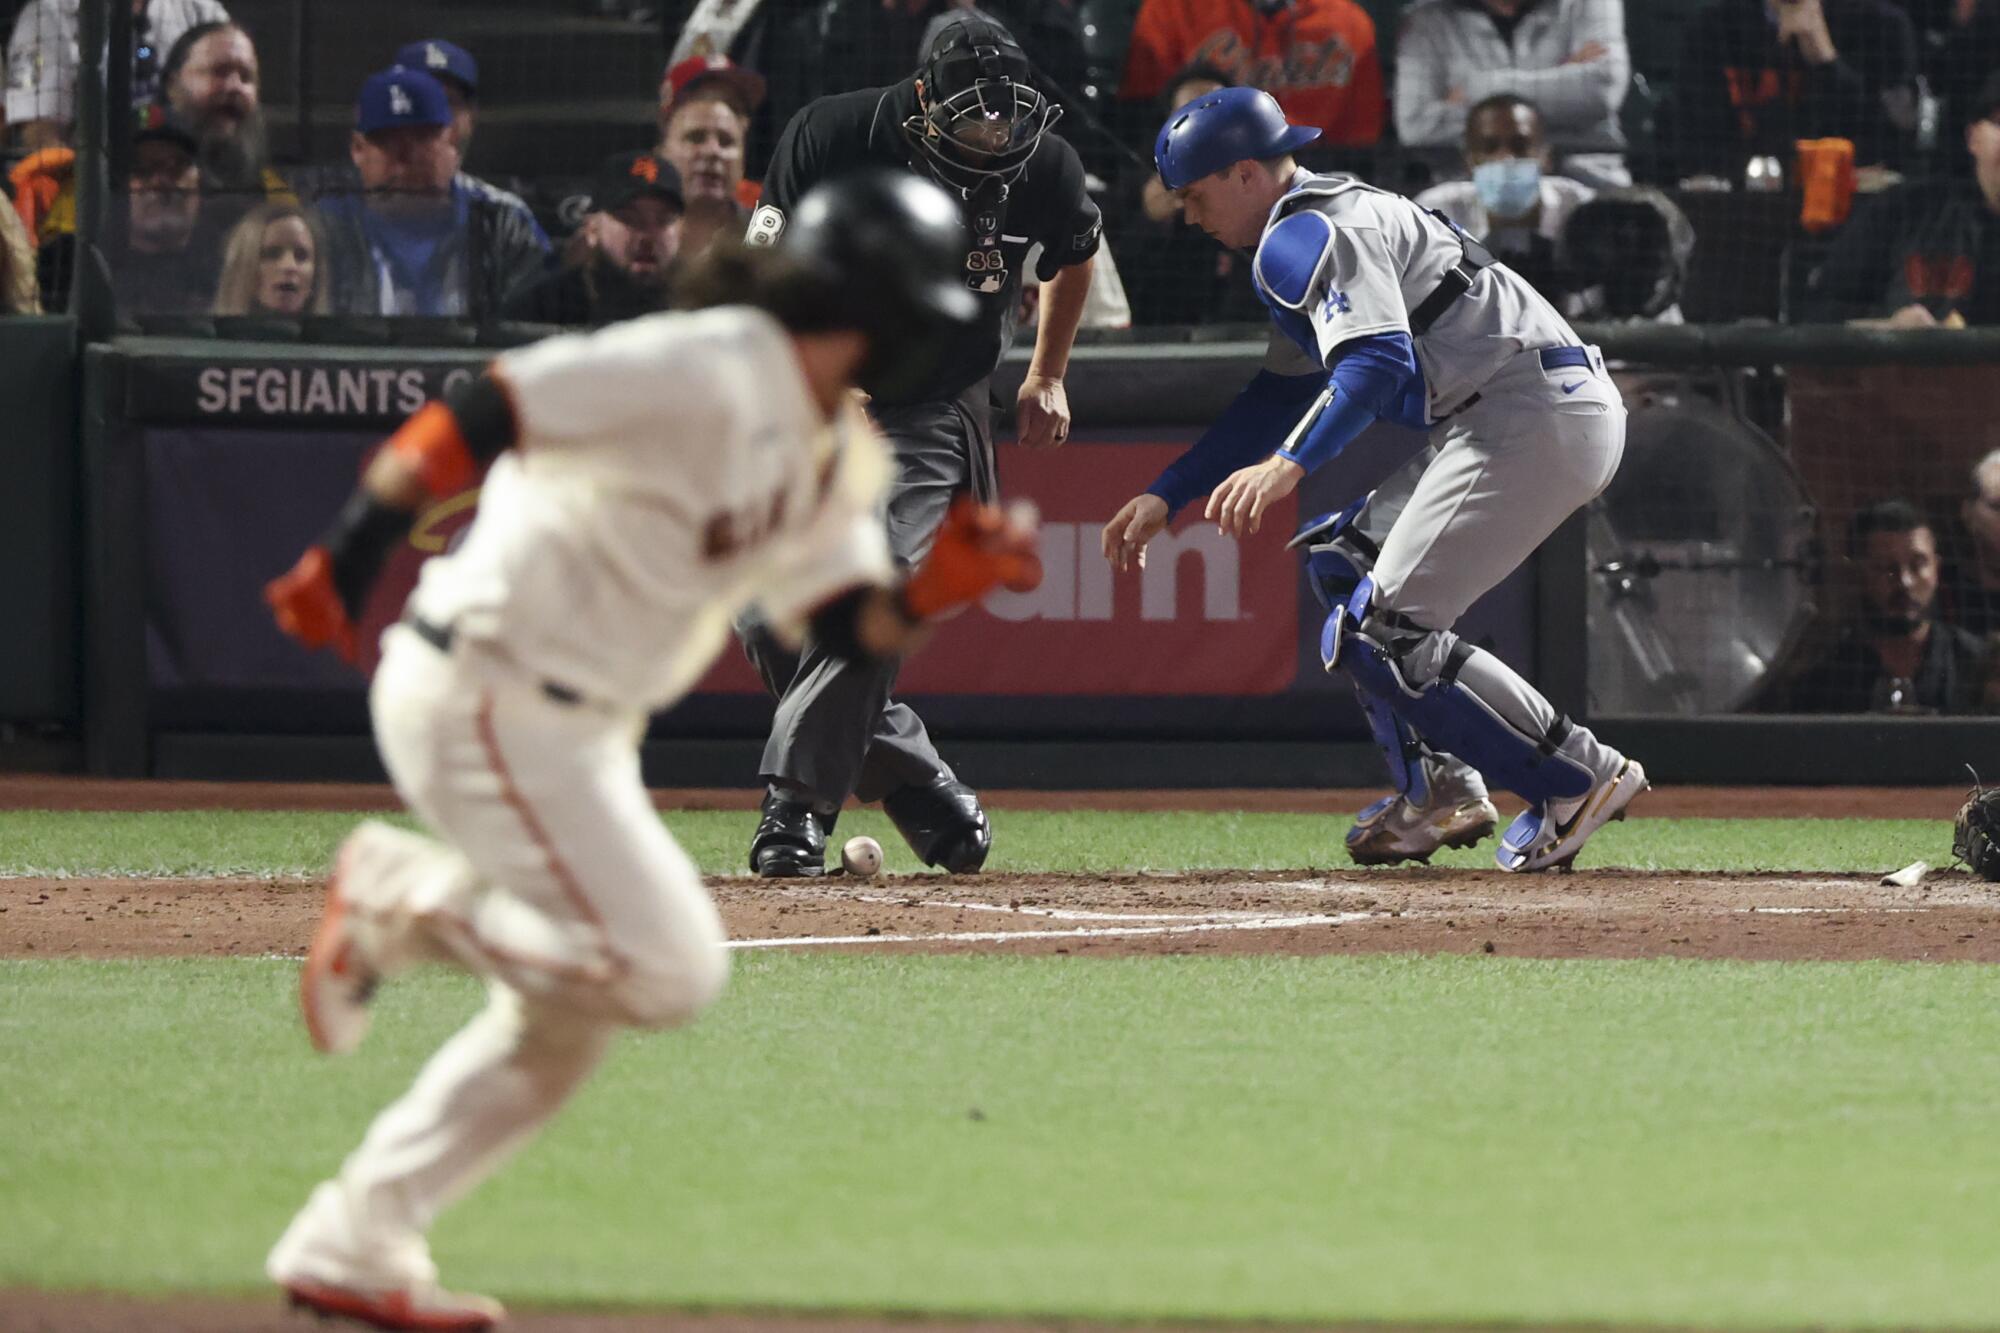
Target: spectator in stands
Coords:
[[1514, 202], [629, 240], [705, 107], [1759, 75], [20, 293], [42, 61], [271, 265], [458, 73], [1317, 57], [1184, 277], [1624, 256], [1566, 56], [159, 262], [1896, 655], [417, 239], [1958, 44], [210, 83], [1974, 579], [1925, 253]]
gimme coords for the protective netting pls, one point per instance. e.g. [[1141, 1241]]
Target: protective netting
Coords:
[[353, 170], [1803, 538], [1677, 159]]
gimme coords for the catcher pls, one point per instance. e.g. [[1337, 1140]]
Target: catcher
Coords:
[[648, 484], [1399, 315]]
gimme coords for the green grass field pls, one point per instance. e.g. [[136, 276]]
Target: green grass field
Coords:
[[1439, 1139], [269, 843]]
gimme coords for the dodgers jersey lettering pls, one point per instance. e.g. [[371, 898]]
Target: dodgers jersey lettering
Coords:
[[670, 473]]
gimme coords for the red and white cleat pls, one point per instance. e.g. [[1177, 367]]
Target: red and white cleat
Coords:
[[427, 1309], [336, 983]]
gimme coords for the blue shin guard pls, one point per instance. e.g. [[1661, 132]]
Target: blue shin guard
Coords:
[[1474, 708], [1338, 557]]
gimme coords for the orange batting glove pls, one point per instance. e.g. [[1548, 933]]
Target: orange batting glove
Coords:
[[978, 549], [308, 607]]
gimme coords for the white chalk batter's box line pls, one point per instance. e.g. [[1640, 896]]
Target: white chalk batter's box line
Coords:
[[1177, 924]]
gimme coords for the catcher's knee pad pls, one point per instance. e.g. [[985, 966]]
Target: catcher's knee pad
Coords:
[[1338, 555], [1379, 648]]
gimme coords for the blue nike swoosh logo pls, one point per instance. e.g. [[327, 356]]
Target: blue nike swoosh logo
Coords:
[[1572, 388]]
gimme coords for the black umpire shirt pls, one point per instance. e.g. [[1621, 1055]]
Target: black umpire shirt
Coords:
[[1047, 203]]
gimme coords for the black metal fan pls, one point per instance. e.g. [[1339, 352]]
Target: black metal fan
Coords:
[[1702, 559]]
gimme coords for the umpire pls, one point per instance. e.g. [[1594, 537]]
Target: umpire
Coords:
[[972, 120]]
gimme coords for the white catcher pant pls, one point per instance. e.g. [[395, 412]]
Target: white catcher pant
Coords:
[[557, 882], [1497, 480]]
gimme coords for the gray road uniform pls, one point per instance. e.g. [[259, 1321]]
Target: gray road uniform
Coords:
[[1525, 427]]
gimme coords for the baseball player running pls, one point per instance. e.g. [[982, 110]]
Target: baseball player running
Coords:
[[973, 121], [648, 482], [1401, 316]]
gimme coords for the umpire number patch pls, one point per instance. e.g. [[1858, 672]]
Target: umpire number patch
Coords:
[[985, 270]]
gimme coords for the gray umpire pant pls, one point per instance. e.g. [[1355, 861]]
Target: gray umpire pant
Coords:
[[837, 732]]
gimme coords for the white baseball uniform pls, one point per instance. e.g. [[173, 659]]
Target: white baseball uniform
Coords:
[[667, 475]]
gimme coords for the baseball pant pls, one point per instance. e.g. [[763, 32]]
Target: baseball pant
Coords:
[[555, 881], [837, 732], [1538, 445]]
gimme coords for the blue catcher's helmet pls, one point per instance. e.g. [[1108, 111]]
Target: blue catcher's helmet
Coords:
[[1228, 126]]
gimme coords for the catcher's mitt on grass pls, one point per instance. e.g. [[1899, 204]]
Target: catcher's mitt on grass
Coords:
[[1976, 832]]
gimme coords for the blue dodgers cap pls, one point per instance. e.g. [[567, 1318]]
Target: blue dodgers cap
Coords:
[[442, 60], [398, 97], [1220, 129]]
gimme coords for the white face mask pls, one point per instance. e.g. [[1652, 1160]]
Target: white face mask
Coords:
[[1508, 186]]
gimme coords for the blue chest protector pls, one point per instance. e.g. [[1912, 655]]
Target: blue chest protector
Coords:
[[1384, 375], [1305, 418]]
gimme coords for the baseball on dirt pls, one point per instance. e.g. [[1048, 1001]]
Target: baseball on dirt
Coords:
[[861, 855]]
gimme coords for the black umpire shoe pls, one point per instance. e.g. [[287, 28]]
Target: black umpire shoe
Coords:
[[942, 822], [790, 838]]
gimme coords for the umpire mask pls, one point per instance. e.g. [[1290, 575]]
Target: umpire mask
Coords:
[[980, 115]]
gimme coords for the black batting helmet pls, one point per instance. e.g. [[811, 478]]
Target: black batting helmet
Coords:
[[885, 252], [980, 115]]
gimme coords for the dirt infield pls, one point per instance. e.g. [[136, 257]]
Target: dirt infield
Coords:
[[1602, 914]]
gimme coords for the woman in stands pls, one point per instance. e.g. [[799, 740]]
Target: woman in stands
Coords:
[[271, 265]]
